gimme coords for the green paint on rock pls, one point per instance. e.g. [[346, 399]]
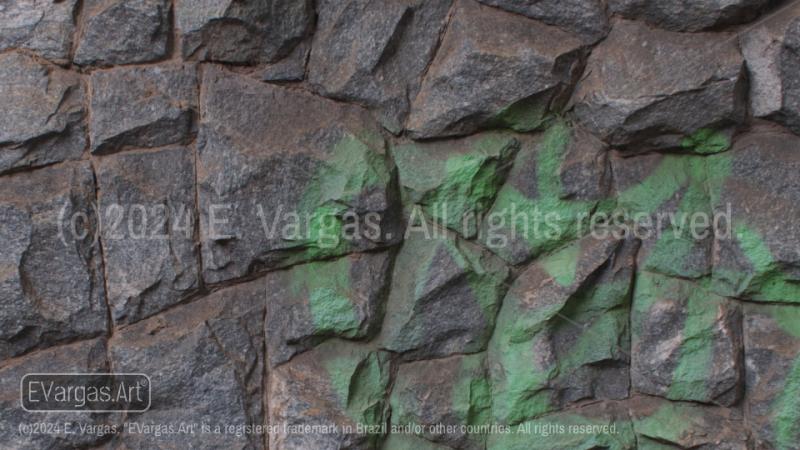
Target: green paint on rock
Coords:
[[526, 115], [706, 141], [566, 431]]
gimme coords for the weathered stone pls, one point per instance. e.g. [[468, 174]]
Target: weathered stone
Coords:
[[772, 51], [562, 334], [142, 107], [242, 31], [585, 18], [42, 117], [452, 392], [697, 15], [494, 68], [375, 52], [647, 88], [757, 256], [663, 425], [605, 426], [455, 182], [205, 361], [403, 441], [42, 26], [123, 32], [557, 182], [337, 384], [286, 177], [772, 364], [147, 206], [312, 302], [81, 357], [686, 342], [444, 297], [51, 285], [664, 197], [290, 68]]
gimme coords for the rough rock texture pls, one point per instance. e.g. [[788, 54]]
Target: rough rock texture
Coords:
[[444, 297], [404, 224], [286, 177], [493, 68], [147, 200], [205, 364], [374, 52], [42, 26], [645, 88], [562, 335], [142, 107], [697, 15], [311, 302], [336, 384], [585, 18], [123, 32], [241, 31], [42, 113], [686, 342], [51, 282]]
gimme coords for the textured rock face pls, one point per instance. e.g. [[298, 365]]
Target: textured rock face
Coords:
[[689, 16], [493, 67], [211, 347], [42, 26], [447, 303], [123, 32], [241, 31], [333, 385], [311, 302], [375, 52], [585, 18], [43, 113], [142, 107], [773, 64], [551, 347], [756, 180], [52, 285], [646, 88], [285, 177], [147, 202]]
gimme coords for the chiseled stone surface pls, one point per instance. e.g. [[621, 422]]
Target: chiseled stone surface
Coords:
[[43, 113], [51, 282], [43, 26], [586, 18], [697, 15], [493, 68]]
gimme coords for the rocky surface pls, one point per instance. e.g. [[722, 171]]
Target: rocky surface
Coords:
[[142, 107], [123, 32], [42, 26], [493, 68], [43, 112], [649, 89], [241, 32], [147, 203], [404, 224]]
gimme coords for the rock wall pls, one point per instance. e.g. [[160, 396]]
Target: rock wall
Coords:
[[397, 224]]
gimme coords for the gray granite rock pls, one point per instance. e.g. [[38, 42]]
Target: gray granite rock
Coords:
[[41, 121], [241, 31], [493, 68], [205, 361], [286, 177], [375, 52], [51, 284], [312, 302], [85, 430], [444, 297], [645, 88], [585, 18], [43, 26], [772, 51], [149, 222], [123, 32], [697, 15], [142, 107]]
